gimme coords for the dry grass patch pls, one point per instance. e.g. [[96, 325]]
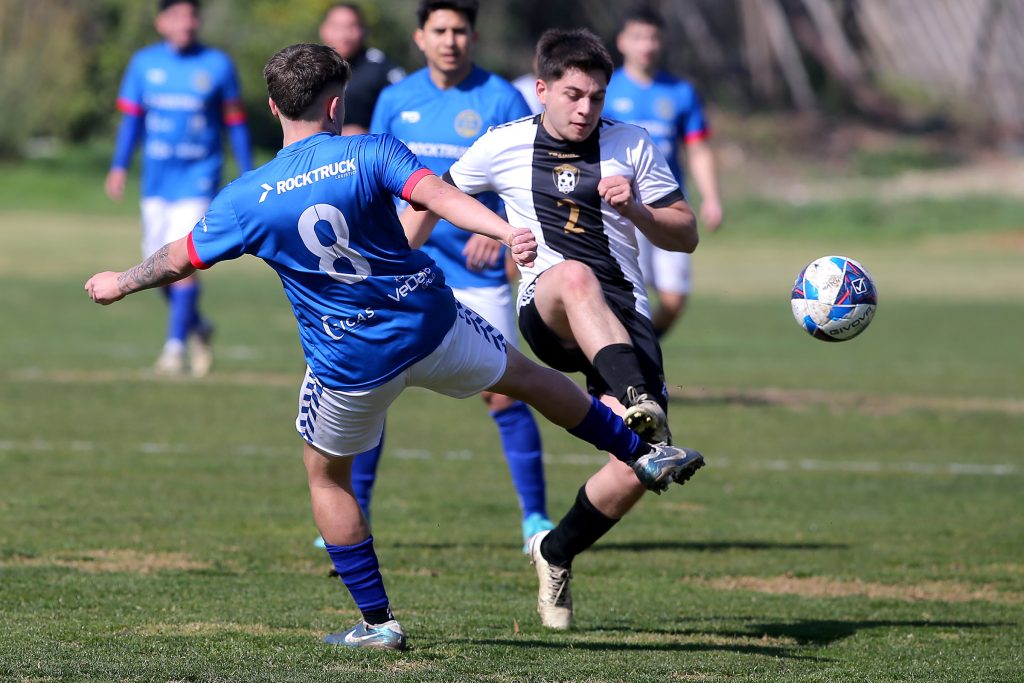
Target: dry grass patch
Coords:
[[208, 628], [112, 561], [825, 587], [845, 402]]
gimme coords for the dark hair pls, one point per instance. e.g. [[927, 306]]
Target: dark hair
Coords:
[[467, 8], [643, 14], [165, 4], [560, 50], [297, 76], [351, 7]]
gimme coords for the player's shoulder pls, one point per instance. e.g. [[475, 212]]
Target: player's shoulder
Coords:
[[681, 86], [611, 128], [411, 87], [618, 136], [216, 57], [524, 126], [493, 82], [378, 58], [149, 55]]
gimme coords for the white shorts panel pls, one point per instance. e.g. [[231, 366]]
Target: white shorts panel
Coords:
[[470, 359], [494, 304], [164, 221], [666, 271]]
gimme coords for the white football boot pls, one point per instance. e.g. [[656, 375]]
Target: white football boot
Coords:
[[554, 598]]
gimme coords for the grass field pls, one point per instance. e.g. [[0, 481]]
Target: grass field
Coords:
[[860, 519]]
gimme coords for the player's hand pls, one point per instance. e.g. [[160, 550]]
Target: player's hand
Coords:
[[103, 288], [114, 184], [711, 214], [522, 245], [617, 190], [481, 252]]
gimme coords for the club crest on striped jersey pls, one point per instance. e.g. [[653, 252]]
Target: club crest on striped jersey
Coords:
[[566, 177]]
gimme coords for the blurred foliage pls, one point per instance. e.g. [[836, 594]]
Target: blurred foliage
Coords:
[[909, 155], [61, 62]]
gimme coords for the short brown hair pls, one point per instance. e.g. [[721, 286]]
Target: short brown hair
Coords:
[[561, 50], [297, 76], [467, 8]]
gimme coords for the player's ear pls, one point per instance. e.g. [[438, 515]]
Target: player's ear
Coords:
[[336, 110], [273, 108], [542, 91], [417, 37]]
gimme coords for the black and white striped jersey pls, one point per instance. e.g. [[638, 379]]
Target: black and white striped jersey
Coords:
[[550, 186]]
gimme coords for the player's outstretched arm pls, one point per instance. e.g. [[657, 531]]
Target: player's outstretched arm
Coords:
[[418, 224], [672, 227], [464, 212], [168, 264]]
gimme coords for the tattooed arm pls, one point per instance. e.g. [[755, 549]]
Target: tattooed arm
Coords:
[[169, 264]]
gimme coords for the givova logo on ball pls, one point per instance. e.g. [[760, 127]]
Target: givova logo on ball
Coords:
[[834, 298]]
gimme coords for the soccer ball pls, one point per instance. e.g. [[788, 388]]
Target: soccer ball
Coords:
[[834, 298]]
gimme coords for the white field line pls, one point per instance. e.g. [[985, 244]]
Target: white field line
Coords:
[[796, 399], [586, 459]]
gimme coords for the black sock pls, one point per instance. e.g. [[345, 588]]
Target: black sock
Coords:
[[619, 368], [578, 530], [376, 617]]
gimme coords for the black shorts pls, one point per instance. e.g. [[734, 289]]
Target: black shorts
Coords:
[[567, 357]]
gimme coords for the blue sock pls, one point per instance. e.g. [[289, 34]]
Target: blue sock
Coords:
[[359, 571], [520, 439], [182, 313], [364, 474], [197, 321], [608, 432]]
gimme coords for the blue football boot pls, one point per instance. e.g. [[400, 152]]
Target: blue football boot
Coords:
[[386, 636], [666, 464]]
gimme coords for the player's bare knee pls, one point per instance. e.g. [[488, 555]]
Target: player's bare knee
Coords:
[[497, 402], [578, 281]]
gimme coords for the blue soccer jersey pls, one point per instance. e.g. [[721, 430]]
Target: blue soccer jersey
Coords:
[[439, 126], [668, 108], [186, 98], [322, 214]]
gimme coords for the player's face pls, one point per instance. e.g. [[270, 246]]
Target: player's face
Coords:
[[573, 104], [446, 40], [343, 31], [640, 45], [179, 24]]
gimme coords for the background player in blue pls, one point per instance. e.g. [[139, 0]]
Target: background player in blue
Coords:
[[374, 316], [439, 111], [671, 111], [176, 98]]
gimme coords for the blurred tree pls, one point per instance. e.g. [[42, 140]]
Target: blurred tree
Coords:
[[42, 76], [61, 62]]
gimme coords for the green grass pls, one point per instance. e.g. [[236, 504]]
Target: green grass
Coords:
[[860, 518]]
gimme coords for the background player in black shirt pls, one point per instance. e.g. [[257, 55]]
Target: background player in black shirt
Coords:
[[344, 30]]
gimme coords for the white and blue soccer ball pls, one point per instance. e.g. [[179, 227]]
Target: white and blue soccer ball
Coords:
[[834, 298]]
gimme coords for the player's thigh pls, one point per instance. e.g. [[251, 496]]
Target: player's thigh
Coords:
[[671, 271], [339, 423], [493, 304], [545, 342], [470, 359], [165, 221]]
